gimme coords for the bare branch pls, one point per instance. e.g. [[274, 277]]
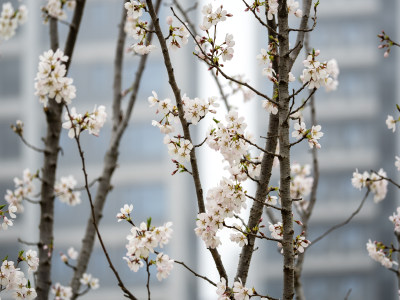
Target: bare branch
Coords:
[[127, 293], [343, 223], [193, 160], [194, 273], [270, 28], [213, 65]]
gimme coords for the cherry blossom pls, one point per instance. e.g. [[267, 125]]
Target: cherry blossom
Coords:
[[142, 241], [125, 213], [54, 8], [223, 202], [395, 219], [177, 32], [196, 109], [64, 190], [318, 74], [61, 292], [221, 290], [397, 163], [240, 292], [137, 28], [10, 19], [6, 222], [374, 181], [391, 123], [50, 81], [13, 280], [32, 260], [24, 188], [89, 281], [93, 122], [164, 266], [376, 252], [178, 148], [224, 49]]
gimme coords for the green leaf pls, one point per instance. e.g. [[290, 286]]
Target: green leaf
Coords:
[[148, 223]]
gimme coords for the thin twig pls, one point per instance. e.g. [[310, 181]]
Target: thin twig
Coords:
[[303, 104], [212, 64], [37, 149], [385, 178], [347, 295], [263, 203], [194, 273], [193, 29], [193, 160], [127, 293], [28, 243], [259, 19], [148, 278], [259, 236], [343, 223]]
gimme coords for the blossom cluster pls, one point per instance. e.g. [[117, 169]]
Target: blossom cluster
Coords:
[[64, 190], [72, 254], [54, 8], [377, 252], [317, 74], [142, 241], [7, 221], [176, 32], [239, 291], [23, 189], [137, 28], [227, 138], [395, 219], [125, 213], [301, 182], [225, 49], [61, 292], [90, 281], [10, 19], [31, 259], [247, 167], [196, 109], [178, 148], [50, 80], [312, 135], [13, 280], [272, 6], [299, 243], [167, 110], [374, 181], [223, 202], [93, 122]]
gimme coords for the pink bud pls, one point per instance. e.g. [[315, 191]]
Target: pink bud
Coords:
[[64, 258], [317, 52], [386, 54], [169, 20]]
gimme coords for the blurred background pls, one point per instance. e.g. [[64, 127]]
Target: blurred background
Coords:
[[352, 119]]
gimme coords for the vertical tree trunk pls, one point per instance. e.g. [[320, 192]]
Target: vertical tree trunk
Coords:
[[284, 143], [53, 119]]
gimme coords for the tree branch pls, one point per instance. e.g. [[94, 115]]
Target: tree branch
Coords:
[[343, 223], [193, 160]]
